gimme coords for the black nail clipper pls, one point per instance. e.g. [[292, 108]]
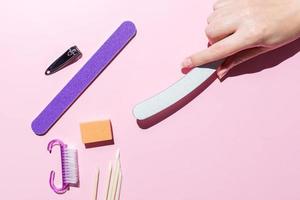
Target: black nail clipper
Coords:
[[69, 57]]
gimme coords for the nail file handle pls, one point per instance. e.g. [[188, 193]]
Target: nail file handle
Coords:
[[87, 74]]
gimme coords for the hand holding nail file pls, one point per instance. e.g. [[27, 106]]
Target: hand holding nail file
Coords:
[[88, 73], [174, 93]]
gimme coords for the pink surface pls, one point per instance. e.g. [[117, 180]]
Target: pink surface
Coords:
[[238, 140]]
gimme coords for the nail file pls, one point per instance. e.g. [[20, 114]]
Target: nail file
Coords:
[[175, 92], [87, 74]]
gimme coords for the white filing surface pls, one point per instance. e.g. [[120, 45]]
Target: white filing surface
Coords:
[[175, 92]]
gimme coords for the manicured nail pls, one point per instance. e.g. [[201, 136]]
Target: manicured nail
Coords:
[[185, 70], [222, 73], [187, 63]]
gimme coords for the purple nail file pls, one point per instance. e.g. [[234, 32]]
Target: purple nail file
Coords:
[[87, 74]]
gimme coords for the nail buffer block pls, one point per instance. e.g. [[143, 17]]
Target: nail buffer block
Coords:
[[174, 93], [87, 74]]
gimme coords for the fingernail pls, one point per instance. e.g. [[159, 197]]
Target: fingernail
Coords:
[[187, 63], [185, 70], [222, 73]]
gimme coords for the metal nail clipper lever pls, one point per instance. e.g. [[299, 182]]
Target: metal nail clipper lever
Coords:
[[69, 57]]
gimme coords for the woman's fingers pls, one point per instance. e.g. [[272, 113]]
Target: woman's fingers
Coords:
[[219, 50], [218, 30], [221, 4], [236, 26], [239, 58]]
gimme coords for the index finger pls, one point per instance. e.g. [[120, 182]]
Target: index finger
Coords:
[[217, 51]]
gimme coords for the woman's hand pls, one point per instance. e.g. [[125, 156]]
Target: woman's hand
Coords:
[[239, 30]]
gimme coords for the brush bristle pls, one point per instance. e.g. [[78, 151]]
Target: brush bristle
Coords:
[[70, 166]]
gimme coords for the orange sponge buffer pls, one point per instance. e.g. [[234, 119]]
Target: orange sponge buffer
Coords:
[[97, 133]]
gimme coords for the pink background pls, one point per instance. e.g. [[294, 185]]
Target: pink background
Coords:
[[238, 140]]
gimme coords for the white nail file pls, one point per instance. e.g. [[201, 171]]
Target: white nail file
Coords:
[[175, 92]]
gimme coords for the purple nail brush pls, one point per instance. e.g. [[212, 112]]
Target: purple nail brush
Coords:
[[87, 74]]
